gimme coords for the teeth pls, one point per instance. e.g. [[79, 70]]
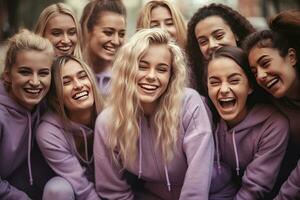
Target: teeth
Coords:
[[111, 49], [32, 91], [271, 83], [66, 48], [227, 102], [148, 87], [80, 94]]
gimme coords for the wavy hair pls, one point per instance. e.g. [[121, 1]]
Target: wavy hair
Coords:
[[239, 25], [55, 95], [24, 40], [144, 18], [53, 11], [124, 129]]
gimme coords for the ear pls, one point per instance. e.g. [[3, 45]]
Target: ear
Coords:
[[250, 90], [6, 76], [237, 39], [292, 56]]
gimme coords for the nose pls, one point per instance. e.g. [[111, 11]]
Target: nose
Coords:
[[151, 75], [213, 45], [77, 84], [261, 74], [66, 38], [34, 80], [116, 39], [225, 88]]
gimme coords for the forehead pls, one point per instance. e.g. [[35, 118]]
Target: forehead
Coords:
[[256, 52], [223, 66], [33, 59], [111, 19], [61, 21], [160, 12], [71, 68], [211, 23], [157, 53]]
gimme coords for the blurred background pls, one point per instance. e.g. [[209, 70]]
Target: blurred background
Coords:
[[24, 13]]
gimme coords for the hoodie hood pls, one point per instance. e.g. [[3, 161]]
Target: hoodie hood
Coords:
[[22, 123], [73, 129]]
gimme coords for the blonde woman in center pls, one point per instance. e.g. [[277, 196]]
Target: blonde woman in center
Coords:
[[154, 127]]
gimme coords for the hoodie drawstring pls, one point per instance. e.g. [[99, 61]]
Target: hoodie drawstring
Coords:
[[140, 149], [167, 178], [235, 154], [29, 150], [86, 151], [217, 149]]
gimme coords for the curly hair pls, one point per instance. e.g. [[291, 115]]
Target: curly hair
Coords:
[[55, 95], [144, 18], [284, 34], [52, 11], [239, 25], [124, 129]]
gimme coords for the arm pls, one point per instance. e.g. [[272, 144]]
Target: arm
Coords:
[[199, 150], [260, 175], [110, 183], [291, 187], [60, 158]]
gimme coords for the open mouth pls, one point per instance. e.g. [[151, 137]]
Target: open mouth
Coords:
[[148, 88], [272, 82], [80, 95], [110, 49], [64, 48], [226, 103]]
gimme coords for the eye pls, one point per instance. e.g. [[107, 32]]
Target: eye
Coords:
[[44, 73], [265, 63], [72, 32], [66, 81], [202, 42], [162, 69], [56, 33], [143, 67], [154, 24], [214, 83], [219, 36], [122, 34], [25, 72], [169, 23], [83, 75], [234, 81], [108, 33]]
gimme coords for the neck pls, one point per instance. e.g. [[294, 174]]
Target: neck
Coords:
[[82, 117], [99, 65], [294, 91]]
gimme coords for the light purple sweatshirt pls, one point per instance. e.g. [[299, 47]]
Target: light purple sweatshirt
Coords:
[[254, 149], [291, 187], [59, 149], [17, 127], [187, 176], [103, 81]]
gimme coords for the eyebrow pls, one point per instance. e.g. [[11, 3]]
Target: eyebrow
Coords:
[[260, 58], [230, 76]]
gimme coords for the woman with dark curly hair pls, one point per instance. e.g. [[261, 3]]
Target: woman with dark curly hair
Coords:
[[211, 27]]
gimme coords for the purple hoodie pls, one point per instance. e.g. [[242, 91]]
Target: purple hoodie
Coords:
[[59, 150], [187, 176], [17, 125], [254, 149], [291, 187]]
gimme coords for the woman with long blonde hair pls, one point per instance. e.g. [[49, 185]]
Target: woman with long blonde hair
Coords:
[[153, 126], [59, 24], [163, 14]]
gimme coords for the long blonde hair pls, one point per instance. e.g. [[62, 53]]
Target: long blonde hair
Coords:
[[144, 18], [53, 11], [125, 105]]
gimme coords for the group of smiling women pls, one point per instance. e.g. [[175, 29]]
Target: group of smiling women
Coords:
[[87, 114]]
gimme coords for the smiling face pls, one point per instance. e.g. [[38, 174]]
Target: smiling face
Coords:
[[61, 32], [228, 88], [212, 33], [162, 18], [30, 78], [77, 90], [276, 74], [153, 76], [107, 36]]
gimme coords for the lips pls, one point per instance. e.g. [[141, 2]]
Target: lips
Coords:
[[64, 48], [110, 49], [272, 82], [33, 91], [148, 88], [80, 95]]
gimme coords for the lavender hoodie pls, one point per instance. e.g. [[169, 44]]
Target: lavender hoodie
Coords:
[[187, 176], [254, 149], [17, 125], [103, 80], [59, 150], [291, 187]]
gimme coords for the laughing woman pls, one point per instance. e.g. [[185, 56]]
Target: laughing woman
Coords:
[[24, 83], [162, 132], [65, 134], [274, 57], [251, 137]]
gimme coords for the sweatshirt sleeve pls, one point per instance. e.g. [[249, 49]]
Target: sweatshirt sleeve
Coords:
[[110, 182], [260, 175], [291, 187], [57, 153], [8, 192], [199, 149]]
